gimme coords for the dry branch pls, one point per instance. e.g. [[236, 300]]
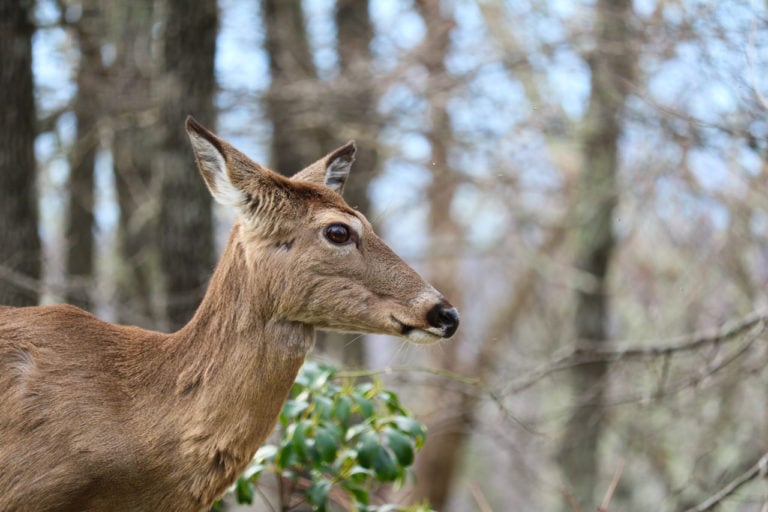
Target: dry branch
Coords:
[[585, 353], [758, 470]]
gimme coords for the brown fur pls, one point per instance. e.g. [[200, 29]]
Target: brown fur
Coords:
[[102, 417]]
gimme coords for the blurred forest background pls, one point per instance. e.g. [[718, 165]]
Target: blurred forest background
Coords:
[[587, 181]]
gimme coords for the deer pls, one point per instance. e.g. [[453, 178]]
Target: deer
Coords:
[[96, 416]]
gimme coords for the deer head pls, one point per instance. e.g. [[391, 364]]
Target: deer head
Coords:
[[326, 267]]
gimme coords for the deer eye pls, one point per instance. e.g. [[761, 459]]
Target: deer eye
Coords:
[[338, 233]]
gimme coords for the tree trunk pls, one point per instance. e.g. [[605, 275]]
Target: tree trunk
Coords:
[[130, 105], [439, 460], [82, 158], [612, 67], [186, 224], [19, 240], [355, 104], [294, 100]]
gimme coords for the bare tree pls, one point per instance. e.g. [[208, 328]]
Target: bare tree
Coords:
[[439, 461], [19, 240], [294, 99], [355, 105], [612, 64], [133, 113], [187, 87], [88, 32]]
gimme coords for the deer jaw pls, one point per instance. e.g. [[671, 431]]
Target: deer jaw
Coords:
[[327, 267]]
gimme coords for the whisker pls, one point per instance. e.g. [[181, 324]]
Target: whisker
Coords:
[[356, 338]]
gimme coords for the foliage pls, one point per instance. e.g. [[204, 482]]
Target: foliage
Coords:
[[339, 443]]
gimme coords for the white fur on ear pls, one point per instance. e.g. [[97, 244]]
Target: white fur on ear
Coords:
[[338, 166], [213, 167], [336, 174]]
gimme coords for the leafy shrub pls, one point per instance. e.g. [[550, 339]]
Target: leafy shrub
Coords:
[[339, 443]]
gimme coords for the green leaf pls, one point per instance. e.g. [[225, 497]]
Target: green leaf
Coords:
[[299, 438], [291, 410], [360, 475], [320, 379], [359, 494], [266, 453], [400, 445], [326, 443], [385, 466], [367, 450], [342, 409], [286, 455], [323, 407], [244, 491], [411, 427], [317, 494], [392, 401], [357, 430], [366, 406]]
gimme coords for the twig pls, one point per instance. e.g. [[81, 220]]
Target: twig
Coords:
[[570, 499], [480, 499], [685, 343], [751, 64], [263, 497], [611, 487], [592, 353], [758, 470]]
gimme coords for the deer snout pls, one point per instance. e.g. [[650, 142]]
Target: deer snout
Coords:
[[445, 318]]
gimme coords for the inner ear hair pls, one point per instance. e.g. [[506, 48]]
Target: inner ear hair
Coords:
[[338, 165]]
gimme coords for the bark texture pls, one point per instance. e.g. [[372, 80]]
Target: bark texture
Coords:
[[188, 86], [135, 131], [295, 104], [82, 157], [438, 463], [20, 257], [612, 66], [355, 106]]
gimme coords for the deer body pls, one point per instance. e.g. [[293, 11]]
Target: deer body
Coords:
[[102, 417]]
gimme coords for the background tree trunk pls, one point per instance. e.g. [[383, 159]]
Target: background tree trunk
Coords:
[[20, 257], [294, 103], [82, 157], [135, 131], [356, 99], [612, 66], [188, 86], [439, 461]]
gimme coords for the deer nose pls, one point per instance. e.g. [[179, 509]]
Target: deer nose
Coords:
[[444, 317]]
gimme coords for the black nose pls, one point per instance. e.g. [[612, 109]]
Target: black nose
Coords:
[[445, 317]]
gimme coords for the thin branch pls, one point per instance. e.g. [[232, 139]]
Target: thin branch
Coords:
[[612, 487], [571, 500], [685, 343], [591, 353], [479, 497], [758, 470], [751, 64]]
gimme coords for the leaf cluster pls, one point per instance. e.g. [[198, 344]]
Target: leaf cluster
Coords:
[[340, 441]]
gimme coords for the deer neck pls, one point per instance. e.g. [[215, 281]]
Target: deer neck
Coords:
[[236, 365]]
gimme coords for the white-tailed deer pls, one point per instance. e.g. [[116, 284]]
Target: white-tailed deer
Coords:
[[97, 416]]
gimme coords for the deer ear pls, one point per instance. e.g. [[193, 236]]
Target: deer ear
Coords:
[[212, 163], [332, 170]]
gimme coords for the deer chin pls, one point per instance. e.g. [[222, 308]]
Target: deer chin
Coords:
[[418, 335], [423, 336]]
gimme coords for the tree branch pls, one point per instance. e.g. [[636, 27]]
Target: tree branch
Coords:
[[585, 353], [758, 470]]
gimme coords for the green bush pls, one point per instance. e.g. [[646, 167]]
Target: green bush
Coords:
[[339, 442]]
